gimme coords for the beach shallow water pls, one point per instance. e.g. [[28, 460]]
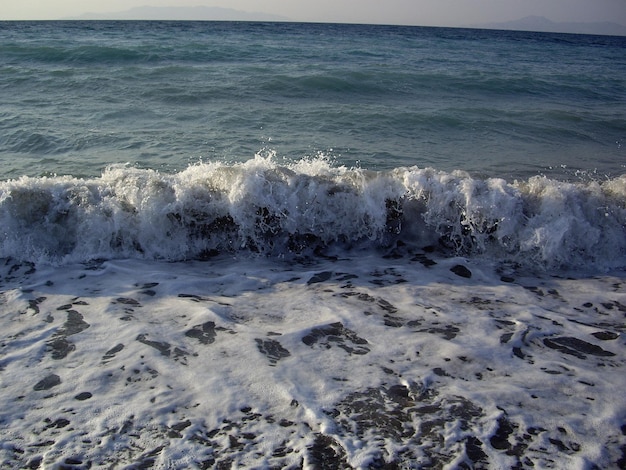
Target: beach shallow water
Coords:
[[408, 361]]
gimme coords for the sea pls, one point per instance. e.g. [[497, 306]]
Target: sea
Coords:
[[322, 246]]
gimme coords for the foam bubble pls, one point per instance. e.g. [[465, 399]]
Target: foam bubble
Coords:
[[283, 208]]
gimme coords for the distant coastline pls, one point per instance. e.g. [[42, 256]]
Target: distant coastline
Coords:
[[199, 13], [203, 13], [544, 25]]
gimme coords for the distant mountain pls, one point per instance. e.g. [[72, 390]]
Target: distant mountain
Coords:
[[539, 23], [199, 13]]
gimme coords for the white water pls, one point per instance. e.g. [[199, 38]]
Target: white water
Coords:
[[257, 363], [285, 209]]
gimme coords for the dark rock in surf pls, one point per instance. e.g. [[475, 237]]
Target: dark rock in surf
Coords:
[[320, 277], [500, 439], [74, 324], [83, 396], [605, 335], [60, 347], [272, 349], [462, 271], [576, 347], [204, 333], [164, 348], [424, 260], [474, 450], [161, 346], [48, 382], [325, 452], [336, 334], [110, 354]]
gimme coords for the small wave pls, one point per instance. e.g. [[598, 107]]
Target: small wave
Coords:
[[22, 141], [282, 209]]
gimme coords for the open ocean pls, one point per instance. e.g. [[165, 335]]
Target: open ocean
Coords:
[[280, 245]]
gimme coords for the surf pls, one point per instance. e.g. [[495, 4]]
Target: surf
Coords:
[[278, 208]]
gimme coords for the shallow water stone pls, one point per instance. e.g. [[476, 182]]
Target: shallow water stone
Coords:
[[194, 297], [605, 335], [447, 332], [320, 277], [400, 394], [61, 347], [179, 354], [112, 352], [74, 323], [59, 423], [33, 304], [500, 439], [161, 346], [381, 411], [35, 462], [175, 430], [73, 461], [393, 322], [440, 372], [326, 453], [205, 333], [505, 338], [388, 307], [147, 285], [461, 270], [424, 260], [83, 396], [576, 347], [148, 459], [59, 344], [272, 349], [127, 301], [474, 450], [336, 334], [48, 382], [559, 444]]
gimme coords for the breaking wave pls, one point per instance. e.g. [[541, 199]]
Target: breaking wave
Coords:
[[307, 208]]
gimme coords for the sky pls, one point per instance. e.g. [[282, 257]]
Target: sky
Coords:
[[414, 12]]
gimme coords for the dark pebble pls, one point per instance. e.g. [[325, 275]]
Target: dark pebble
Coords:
[[73, 461], [605, 335], [320, 277], [48, 382], [272, 349], [474, 451], [461, 270], [83, 396], [500, 439], [205, 333], [576, 347]]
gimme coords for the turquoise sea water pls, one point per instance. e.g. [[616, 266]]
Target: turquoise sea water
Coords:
[[77, 96]]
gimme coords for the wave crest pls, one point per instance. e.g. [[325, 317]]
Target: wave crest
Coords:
[[285, 209]]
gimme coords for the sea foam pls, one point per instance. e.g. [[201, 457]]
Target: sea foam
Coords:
[[282, 209]]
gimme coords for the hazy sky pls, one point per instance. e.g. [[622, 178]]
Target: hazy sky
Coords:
[[417, 12]]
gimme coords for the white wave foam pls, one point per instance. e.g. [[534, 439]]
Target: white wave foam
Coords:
[[285, 208]]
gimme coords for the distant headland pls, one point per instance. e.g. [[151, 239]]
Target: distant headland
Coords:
[[542, 24], [199, 13], [203, 13]]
